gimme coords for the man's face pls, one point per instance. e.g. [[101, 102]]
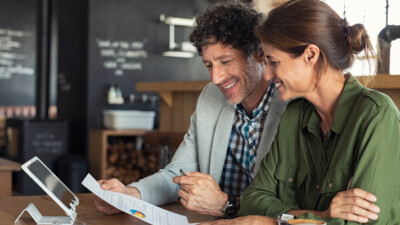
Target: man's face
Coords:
[[236, 75]]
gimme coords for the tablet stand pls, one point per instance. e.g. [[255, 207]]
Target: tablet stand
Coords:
[[39, 219], [56, 190]]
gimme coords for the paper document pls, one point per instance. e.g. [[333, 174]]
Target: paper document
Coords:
[[135, 207]]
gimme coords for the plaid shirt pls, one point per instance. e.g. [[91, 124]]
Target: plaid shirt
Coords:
[[238, 172]]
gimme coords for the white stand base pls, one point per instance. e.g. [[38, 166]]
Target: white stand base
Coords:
[[39, 219]]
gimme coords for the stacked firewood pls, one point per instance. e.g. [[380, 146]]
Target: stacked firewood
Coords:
[[129, 164]]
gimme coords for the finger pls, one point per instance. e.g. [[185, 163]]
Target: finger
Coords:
[[359, 202], [182, 180], [111, 184], [177, 179], [357, 213], [186, 187], [183, 194], [359, 193], [105, 184], [355, 218], [184, 202], [198, 174], [101, 181]]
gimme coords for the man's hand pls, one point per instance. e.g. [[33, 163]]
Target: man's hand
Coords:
[[200, 193], [253, 220], [353, 205], [115, 186]]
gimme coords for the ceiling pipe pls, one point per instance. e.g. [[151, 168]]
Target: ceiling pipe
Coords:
[[385, 38]]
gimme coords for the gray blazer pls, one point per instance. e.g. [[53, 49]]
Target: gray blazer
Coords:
[[205, 144]]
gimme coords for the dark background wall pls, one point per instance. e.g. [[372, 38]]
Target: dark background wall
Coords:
[[17, 52], [84, 33], [105, 42], [117, 27]]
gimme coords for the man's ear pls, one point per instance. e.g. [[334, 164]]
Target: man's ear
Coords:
[[311, 54]]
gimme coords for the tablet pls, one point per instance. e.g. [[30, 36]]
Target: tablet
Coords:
[[52, 185]]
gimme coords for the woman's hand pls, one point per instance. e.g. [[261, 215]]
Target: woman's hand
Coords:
[[353, 205]]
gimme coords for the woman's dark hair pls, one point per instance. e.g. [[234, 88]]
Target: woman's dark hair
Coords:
[[230, 23], [295, 24]]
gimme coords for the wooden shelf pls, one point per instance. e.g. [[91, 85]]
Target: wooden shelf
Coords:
[[6, 169], [172, 86], [383, 81], [98, 148], [178, 102], [99, 152], [166, 89]]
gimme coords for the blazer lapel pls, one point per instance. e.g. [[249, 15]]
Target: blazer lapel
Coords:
[[270, 127], [220, 141]]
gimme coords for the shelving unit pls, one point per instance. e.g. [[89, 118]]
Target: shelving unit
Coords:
[[177, 102], [142, 153], [98, 141], [388, 84]]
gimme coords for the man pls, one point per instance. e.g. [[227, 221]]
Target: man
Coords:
[[232, 128]]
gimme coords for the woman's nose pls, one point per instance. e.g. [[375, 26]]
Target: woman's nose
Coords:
[[268, 75]]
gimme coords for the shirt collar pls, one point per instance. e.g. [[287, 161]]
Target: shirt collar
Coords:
[[262, 106], [346, 102]]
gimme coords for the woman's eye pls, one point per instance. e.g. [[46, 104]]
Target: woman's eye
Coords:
[[273, 63]]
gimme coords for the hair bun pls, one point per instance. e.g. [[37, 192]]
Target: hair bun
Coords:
[[357, 38]]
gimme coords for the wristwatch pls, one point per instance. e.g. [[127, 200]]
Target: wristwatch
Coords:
[[284, 218], [230, 210]]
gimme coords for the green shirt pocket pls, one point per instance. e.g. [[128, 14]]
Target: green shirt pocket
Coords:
[[291, 182], [336, 180]]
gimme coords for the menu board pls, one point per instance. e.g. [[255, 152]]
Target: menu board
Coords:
[[17, 51]]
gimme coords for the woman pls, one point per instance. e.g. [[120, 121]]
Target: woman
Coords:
[[338, 138], [336, 156]]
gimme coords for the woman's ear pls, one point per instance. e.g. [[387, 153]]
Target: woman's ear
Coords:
[[311, 54]]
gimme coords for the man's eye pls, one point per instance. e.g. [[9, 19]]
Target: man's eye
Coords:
[[208, 66], [226, 62]]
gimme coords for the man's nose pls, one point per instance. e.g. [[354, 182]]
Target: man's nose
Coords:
[[217, 75]]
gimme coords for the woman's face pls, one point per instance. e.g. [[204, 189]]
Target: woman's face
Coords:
[[293, 77]]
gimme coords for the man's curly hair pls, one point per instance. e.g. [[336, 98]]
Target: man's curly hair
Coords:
[[230, 23]]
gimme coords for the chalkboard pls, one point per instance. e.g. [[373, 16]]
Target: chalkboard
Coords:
[[17, 52], [126, 41]]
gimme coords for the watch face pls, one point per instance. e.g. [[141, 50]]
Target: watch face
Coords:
[[231, 211]]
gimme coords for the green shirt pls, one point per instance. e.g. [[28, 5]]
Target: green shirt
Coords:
[[304, 172]]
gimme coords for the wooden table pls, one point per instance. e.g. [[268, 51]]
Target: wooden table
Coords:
[[11, 207], [6, 168]]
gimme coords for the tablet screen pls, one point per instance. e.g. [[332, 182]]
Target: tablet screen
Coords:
[[50, 183]]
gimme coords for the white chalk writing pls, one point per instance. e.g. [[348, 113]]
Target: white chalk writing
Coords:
[[121, 56]]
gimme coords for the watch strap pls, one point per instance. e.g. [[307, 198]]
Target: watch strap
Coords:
[[230, 210]]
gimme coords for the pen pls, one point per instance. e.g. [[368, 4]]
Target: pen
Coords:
[[182, 172]]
